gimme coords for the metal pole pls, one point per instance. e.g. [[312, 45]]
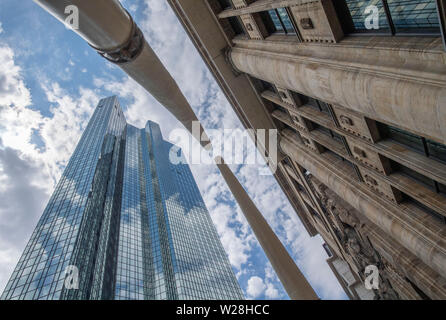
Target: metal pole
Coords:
[[110, 30]]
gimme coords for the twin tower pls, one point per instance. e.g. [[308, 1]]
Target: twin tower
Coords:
[[123, 223]]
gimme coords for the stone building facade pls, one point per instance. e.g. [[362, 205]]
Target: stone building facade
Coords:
[[358, 95], [357, 91]]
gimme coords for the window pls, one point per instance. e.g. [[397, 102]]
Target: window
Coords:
[[278, 107], [408, 139], [278, 21], [395, 16], [427, 182], [225, 4], [327, 250], [314, 103], [267, 86], [418, 177], [436, 150], [412, 141], [236, 25], [285, 19]]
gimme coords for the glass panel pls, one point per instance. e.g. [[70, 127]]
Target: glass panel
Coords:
[[324, 108], [357, 11], [411, 14], [436, 150], [410, 140], [312, 103], [418, 177], [276, 20], [286, 20]]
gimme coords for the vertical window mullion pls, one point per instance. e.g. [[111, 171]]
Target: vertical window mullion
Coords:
[[426, 149], [389, 17], [281, 22], [437, 187]]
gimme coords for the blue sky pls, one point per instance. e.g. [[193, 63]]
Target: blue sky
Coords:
[[50, 82]]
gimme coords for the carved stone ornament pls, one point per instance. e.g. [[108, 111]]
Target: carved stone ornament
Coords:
[[306, 23]]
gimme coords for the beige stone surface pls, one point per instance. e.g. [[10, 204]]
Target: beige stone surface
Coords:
[[416, 103], [426, 243], [322, 18]]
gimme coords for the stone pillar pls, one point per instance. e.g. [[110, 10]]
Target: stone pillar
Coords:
[[386, 93], [428, 245], [289, 274], [407, 264]]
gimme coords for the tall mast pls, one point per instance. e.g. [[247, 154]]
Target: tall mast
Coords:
[[109, 29]]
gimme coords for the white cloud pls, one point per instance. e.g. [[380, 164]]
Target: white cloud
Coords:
[[29, 172], [13, 91], [256, 287], [271, 291]]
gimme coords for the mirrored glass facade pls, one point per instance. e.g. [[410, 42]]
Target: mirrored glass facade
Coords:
[[403, 15], [133, 224]]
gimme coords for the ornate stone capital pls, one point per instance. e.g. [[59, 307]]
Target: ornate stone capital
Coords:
[[228, 59]]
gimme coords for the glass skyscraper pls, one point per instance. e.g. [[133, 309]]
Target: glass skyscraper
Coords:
[[125, 223]]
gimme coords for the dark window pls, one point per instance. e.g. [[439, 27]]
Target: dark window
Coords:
[[314, 103], [403, 137], [436, 150], [225, 4], [396, 167], [417, 143], [278, 21], [236, 25], [395, 16], [322, 129], [323, 107], [278, 107], [326, 131], [418, 177], [267, 86], [327, 250]]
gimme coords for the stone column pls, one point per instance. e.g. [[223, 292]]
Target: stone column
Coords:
[[289, 274], [386, 93], [427, 244], [407, 264]]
